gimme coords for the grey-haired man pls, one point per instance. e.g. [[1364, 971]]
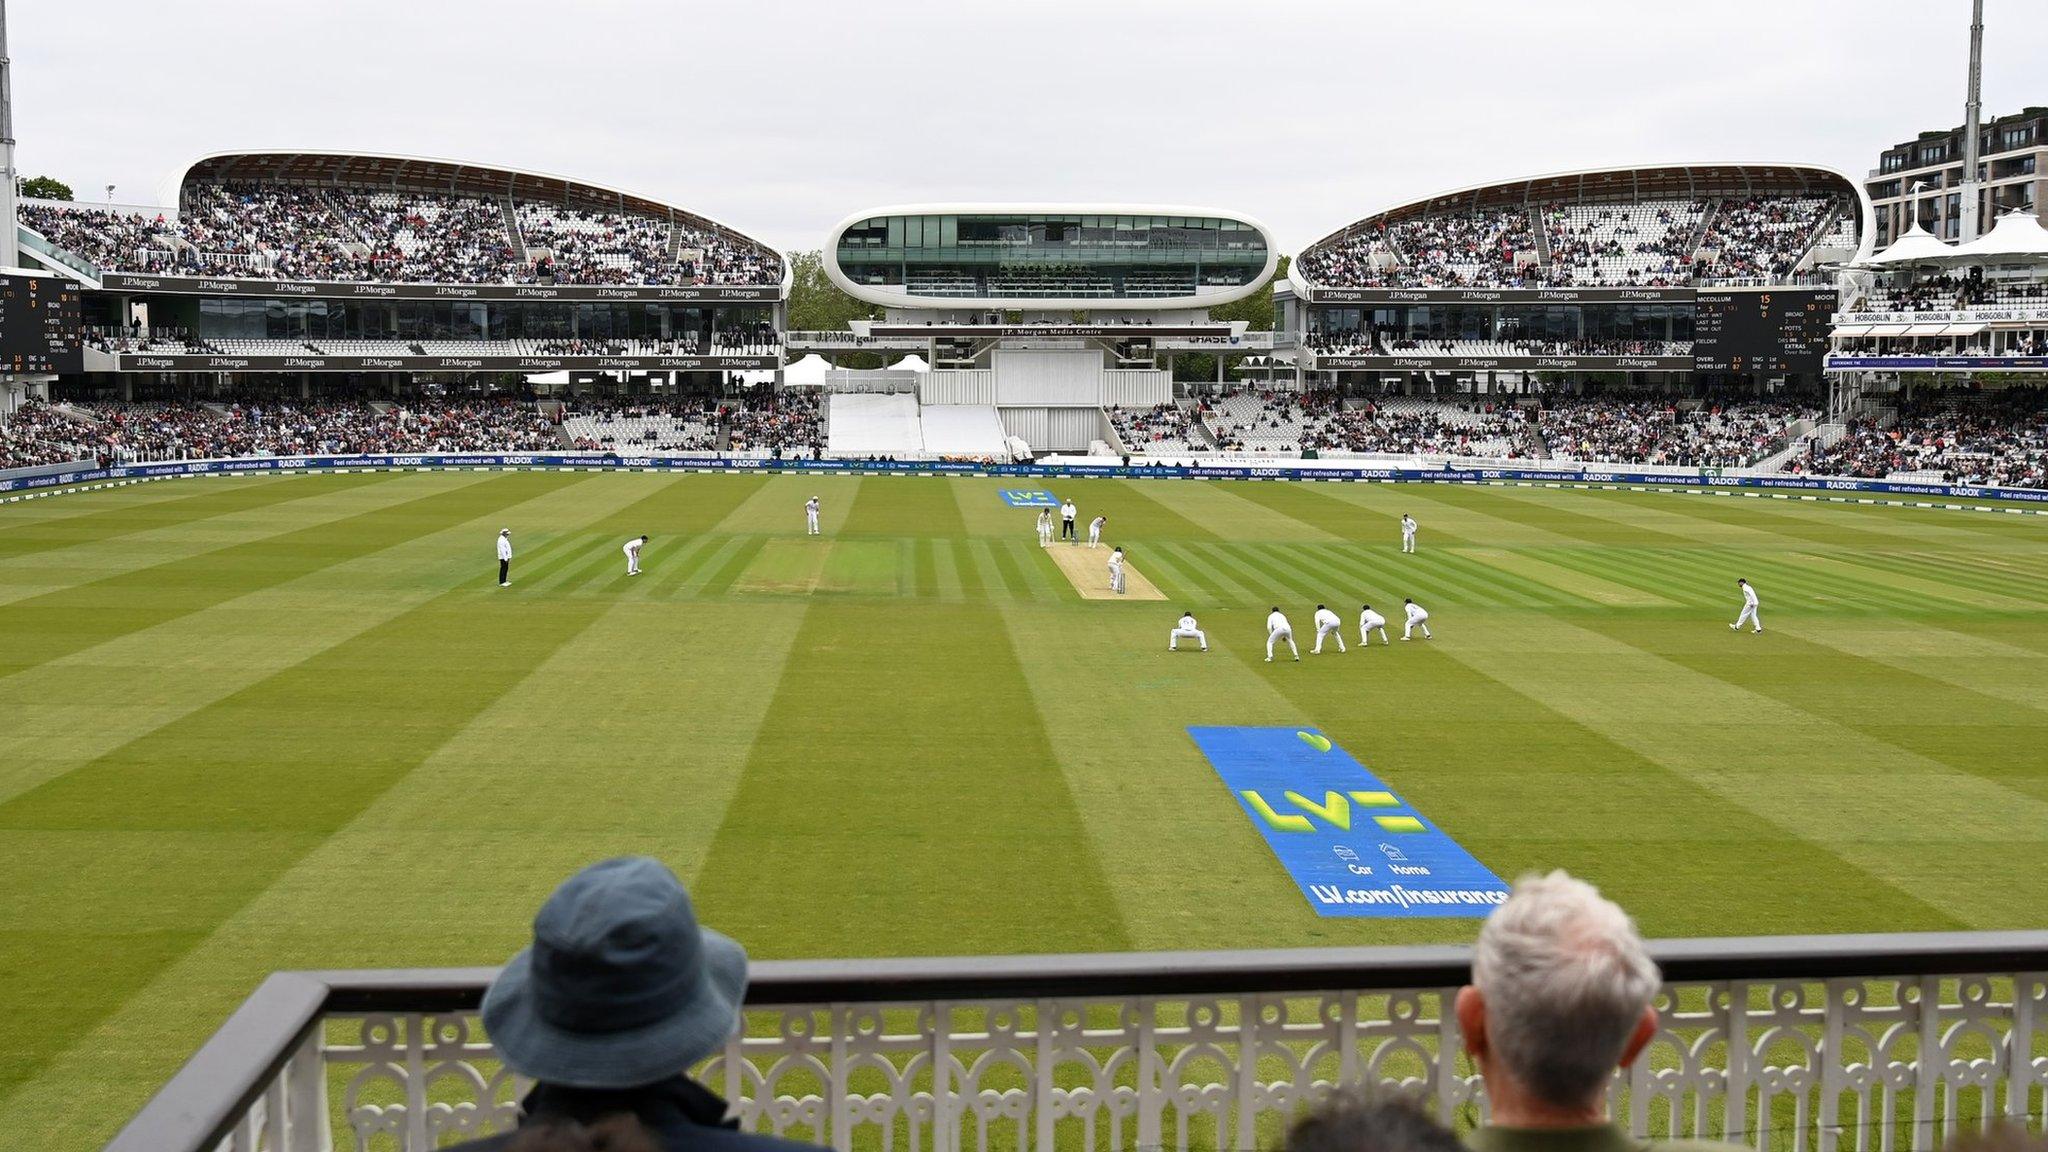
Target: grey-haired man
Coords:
[[1561, 996]]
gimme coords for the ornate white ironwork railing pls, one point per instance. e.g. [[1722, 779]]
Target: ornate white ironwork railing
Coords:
[[1834, 1044]]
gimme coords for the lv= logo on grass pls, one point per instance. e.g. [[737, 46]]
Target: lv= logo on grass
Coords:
[[1351, 845]]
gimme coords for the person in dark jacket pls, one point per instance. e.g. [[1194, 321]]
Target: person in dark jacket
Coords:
[[621, 992]]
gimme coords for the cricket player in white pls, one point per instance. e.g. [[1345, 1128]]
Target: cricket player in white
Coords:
[[1045, 527], [1095, 530], [811, 516], [1407, 533], [1116, 571], [1067, 514], [1749, 614], [1417, 618], [633, 555], [1327, 624], [1277, 629], [1187, 630], [1367, 621], [504, 557]]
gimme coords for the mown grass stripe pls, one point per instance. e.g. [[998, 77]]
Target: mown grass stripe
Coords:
[[1675, 573], [1213, 585], [590, 565], [198, 796], [1978, 574], [689, 583], [1028, 562], [1529, 588], [1344, 519], [1931, 586], [946, 569], [998, 556], [971, 584], [535, 562], [1917, 714], [1711, 577], [687, 561], [1256, 561], [1635, 568], [1495, 587], [722, 579], [32, 537], [20, 513], [45, 627], [1500, 800], [1369, 566], [1461, 583], [873, 826], [1547, 511], [1879, 529], [1176, 581], [1333, 582], [906, 567], [1807, 525], [1822, 587]]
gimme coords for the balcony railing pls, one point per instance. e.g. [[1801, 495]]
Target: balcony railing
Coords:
[[1863, 1043]]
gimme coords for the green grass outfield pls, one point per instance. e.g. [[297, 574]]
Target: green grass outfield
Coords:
[[261, 723]]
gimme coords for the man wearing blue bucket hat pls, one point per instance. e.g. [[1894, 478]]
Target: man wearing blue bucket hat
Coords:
[[620, 993]]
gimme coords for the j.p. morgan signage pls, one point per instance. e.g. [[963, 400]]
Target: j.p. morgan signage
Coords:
[[328, 289], [1508, 363], [146, 362], [1323, 295]]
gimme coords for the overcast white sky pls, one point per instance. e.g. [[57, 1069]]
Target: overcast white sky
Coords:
[[782, 116]]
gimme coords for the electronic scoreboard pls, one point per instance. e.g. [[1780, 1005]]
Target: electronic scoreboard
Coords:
[[40, 327], [1767, 331]]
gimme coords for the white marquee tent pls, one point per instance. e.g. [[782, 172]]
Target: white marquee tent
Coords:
[[808, 372], [2017, 238], [1914, 246]]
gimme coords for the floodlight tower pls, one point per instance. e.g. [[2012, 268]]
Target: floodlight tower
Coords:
[[10, 239], [1973, 112]]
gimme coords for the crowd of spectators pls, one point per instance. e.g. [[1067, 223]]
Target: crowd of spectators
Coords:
[[138, 339], [1947, 293], [1649, 243], [1524, 347], [759, 337], [641, 424], [1261, 420], [780, 423], [106, 237], [1986, 438], [1418, 428], [1161, 428], [422, 239], [36, 434], [291, 232], [723, 260], [570, 246], [1496, 248], [1619, 430], [1762, 237], [276, 230], [1992, 438], [117, 432]]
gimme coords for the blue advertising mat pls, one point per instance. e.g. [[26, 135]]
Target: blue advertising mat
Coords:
[[1354, 847], [1029, 498]]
